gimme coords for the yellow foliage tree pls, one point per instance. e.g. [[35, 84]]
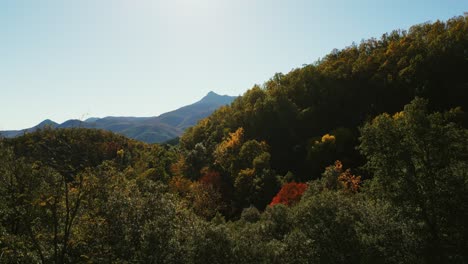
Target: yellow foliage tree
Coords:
[[328, 138], [228, 147]]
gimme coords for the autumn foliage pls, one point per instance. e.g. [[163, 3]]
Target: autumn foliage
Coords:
[[289, 194], [350, 182], [180, 185], [336, 178], [212, 178]]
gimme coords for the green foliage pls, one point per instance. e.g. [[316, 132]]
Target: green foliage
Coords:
[[65, 193], [213, 246], [328, 219], [248, 164], [250, 214], [386, 237], [419, 161]]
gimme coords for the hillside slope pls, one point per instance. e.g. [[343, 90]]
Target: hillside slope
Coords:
[[292, 112]]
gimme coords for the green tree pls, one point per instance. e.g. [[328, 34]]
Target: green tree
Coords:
[[327, 222], [43, 206], [419, 163]]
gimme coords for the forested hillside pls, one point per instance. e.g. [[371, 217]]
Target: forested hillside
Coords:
[[290, 112], [361, 157]]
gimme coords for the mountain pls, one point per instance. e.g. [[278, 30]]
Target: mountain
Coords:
[[148, 129], [15, 133], [189, 115]]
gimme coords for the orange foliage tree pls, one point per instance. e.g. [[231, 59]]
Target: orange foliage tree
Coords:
[[289, 194], [350, 182], [335, 178]]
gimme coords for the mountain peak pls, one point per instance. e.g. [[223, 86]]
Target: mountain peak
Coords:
[[211, 94], [47, 122], [212, 97]]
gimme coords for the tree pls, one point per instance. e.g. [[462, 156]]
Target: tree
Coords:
[[248, 165], [326, 221], [205, 200], [42, 205], [226, 152], [289, 194], [419, 163]]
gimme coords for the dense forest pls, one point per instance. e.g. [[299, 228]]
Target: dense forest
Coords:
[[360, 157]]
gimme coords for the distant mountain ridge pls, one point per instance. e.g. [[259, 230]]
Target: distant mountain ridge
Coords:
[[155, 129]]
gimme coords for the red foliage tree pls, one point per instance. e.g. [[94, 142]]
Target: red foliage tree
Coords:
[[289, 194], [212, 178]]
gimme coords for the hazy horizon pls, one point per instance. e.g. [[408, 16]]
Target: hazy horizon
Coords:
[[75, 60], [85, 117]]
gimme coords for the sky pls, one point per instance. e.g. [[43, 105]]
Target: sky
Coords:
[[75, 59]]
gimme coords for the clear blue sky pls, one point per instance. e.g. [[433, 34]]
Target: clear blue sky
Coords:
[[63, 59]]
